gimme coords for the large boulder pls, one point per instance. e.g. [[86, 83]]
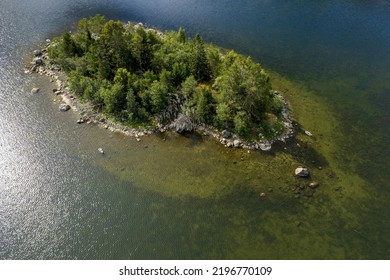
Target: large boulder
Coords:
[[64, 107], [226, 134], [182, 124], [302, 172]]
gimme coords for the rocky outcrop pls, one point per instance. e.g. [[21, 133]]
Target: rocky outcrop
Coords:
[[182, 124]]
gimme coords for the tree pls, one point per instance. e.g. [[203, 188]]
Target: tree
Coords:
[[243, 87], [200, 67], [114, 99], [158, 93], [68, 45], [204, 104], [83, 37], [241, 123], [182, 35]]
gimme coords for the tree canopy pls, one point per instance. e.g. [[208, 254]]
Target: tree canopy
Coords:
[[134, 73]]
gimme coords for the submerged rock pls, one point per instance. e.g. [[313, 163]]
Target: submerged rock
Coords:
[[308, 133], [64, 107], [302, 172], [35, 90], [314, 185]]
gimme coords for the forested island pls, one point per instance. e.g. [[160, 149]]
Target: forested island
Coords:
[[141, 77]]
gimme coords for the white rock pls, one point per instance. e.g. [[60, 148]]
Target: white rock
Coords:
[[308, 133]]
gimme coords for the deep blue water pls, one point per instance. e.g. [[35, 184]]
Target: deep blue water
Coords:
[[55, 202]]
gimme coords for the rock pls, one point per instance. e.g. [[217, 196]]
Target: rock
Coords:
[[266, 146], [35, 90], [101, 151], [308, 133], [262, 195], [302, 172], [58, 92], [182, 124], [226, 134], [37, 53], [64, 107], [237, 143], [229, 144], [314, 185], [38, 61], [80, 121]]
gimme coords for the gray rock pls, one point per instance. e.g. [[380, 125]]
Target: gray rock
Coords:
[[226, 134], [183, 124], [35, 90], [308, 133], [266, 146], [302, 172], [237, 143], [64, 107], [37, 52], [38, 61]]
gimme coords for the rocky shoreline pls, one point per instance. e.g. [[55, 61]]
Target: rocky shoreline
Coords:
[[180, 123]]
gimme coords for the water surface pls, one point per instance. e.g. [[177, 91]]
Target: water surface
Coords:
[[174, 197]]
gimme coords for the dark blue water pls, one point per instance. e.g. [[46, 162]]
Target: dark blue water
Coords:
[[60, 200]]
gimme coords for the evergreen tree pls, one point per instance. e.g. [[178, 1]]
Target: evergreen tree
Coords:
[[68, 45], [200, 67], [182, 35]]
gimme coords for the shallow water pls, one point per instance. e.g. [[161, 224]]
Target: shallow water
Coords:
[[175, 197]]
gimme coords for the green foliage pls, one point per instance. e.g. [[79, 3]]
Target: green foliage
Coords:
[[204, 105], [132, 73], [200, 67]]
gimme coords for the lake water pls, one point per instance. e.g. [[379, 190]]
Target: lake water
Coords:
[[175, 197]]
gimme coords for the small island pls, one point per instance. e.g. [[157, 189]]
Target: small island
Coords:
[[127, 76]]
